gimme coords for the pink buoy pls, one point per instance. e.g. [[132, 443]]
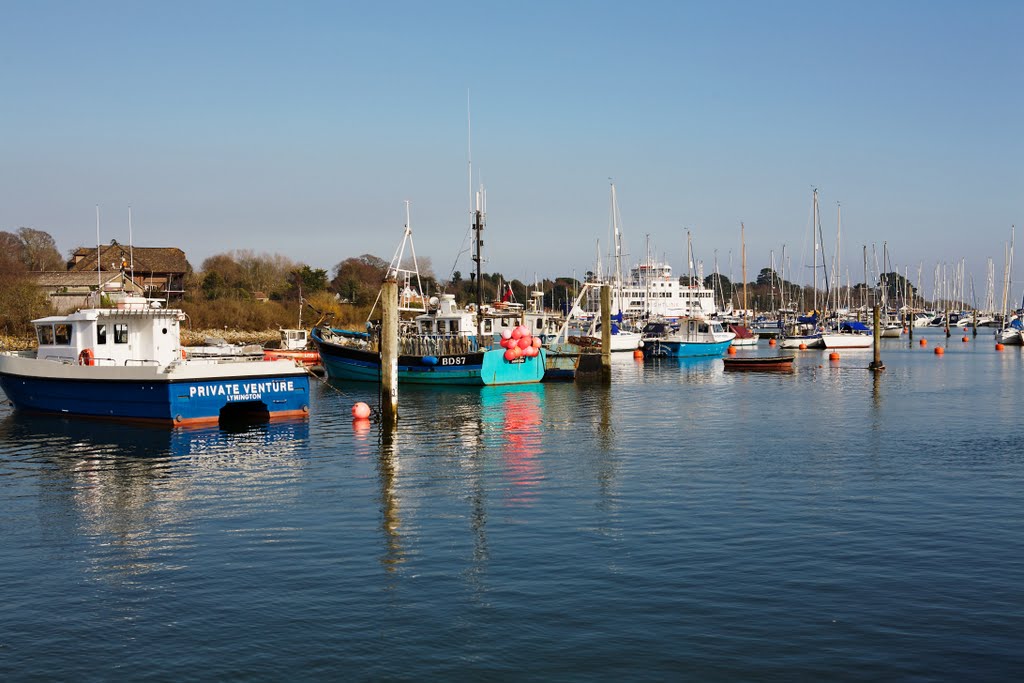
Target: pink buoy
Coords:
[[523, 330], [510, 355], [517, 351], [506, 333], [525, 342], [516, 333], [360, 411], [536, 342]]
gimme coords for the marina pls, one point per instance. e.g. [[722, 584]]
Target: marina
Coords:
[[538, 531]]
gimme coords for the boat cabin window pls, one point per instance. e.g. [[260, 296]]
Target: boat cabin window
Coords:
[[488, 326], [62, 334], [101, 334], [45, 334], [539, 324], [454, 326], [702, 327], [120, 333]]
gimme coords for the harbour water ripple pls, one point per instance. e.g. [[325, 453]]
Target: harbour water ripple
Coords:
[[683, 523]]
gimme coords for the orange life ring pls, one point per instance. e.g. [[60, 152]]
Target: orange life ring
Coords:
[[86, 357]]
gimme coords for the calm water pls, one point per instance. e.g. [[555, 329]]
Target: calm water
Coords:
[[685, 523]]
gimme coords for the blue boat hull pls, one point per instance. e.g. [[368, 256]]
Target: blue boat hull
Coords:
[[684, 349], [172, 402]]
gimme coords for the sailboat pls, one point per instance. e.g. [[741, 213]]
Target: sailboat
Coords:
[[1010, 334], [850, 334], [744, 337], [805, 331], [622, 339]]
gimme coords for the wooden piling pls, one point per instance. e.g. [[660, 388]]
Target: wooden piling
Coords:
[[876, 332], [389, 355], [606, 331]]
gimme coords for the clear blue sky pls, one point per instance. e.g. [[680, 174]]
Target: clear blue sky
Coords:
[[300, 128]]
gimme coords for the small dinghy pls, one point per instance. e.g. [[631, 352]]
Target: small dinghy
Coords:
[[760, 363]]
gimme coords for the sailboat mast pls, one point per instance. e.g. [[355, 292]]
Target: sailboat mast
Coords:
[[814, 237], [618, 251], [743, 259]]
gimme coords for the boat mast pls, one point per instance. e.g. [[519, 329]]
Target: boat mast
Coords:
[[814, 236], [478, 231], [743, 259], [618, 250], [99, 273]]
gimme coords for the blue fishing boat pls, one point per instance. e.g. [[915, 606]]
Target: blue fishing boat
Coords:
[[424, 359], [443, 344], [688, 338], [127, 363]]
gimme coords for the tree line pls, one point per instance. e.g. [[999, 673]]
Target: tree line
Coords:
[[245, 290]]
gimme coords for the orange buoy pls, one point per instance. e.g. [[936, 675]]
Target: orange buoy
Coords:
[[833, 356], [638, 354], [771, 342], [360, 411], [966, 339], [924, 342], [999, 347], [732, 351], [939, 351], [803, 347], [904, 330]]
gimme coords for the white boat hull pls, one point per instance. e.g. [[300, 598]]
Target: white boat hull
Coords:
[[841, 340]]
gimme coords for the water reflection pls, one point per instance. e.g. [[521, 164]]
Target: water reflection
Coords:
[[132, 492], [511, 419]]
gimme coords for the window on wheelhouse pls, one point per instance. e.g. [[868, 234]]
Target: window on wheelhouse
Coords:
[[45, 334], [453, 326], [120, 333], [62, 334], [101, 334], [488, 326]]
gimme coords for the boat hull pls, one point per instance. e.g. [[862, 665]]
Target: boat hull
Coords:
[[760, 364], [473, 369], [180, 395], [847, 341], [684, 349], [809, 341]]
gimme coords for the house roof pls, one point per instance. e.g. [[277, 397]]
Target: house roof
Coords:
[[55, 279], [146, 259]]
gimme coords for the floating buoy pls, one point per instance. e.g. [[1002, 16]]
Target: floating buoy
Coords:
[[771, 342], [966, 339], [803, 347], [360, 411], [833, 356], [924, 342], [939, 351], [732, 351], [638, 354], [904, 330], [999, 347]]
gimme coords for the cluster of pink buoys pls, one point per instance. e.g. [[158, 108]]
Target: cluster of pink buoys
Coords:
[[519, 343]]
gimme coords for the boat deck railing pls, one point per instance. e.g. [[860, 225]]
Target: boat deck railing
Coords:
[[436, 345]]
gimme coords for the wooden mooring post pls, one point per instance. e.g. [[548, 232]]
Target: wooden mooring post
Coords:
[[389, 355], [606, 332], [876, 332]]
